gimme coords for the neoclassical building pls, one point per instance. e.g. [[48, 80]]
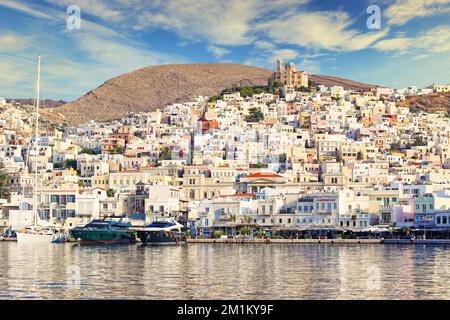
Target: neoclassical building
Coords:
[[289, 76]]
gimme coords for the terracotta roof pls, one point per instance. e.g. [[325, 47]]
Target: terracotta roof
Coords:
[[130, 171], [263, 175]]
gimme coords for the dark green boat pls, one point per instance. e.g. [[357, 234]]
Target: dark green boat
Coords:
[[105, 231]]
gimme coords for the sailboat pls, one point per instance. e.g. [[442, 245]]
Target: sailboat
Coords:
[[41, 231]]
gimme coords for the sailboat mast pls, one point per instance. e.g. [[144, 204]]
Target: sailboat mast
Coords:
[[36, 142]]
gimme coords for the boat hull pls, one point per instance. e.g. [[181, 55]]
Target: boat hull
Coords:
[[34, 238], [104, 236], [161, 237]]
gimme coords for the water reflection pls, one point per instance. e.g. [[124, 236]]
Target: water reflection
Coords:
[[224, 272]]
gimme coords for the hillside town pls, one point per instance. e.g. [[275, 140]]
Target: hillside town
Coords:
[[290, 158]]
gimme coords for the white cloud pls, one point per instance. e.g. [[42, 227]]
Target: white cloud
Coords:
[[283, 54], [12, 42], [99, 8], [324, 30], [433, 40], [217, 22], [265, 45], [403, 11], [217, 51], [26, 8]]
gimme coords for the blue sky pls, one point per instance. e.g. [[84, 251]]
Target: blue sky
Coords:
[[412, 47]]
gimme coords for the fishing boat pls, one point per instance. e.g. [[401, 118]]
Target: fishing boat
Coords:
[[166, 231], [41, 231], [110, 230]]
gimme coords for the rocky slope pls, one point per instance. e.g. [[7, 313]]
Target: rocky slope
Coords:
[[335, 81], [156, 86], [429, 103], [47, 103]]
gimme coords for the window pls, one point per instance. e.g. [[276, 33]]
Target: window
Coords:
[[438, 220], [444, 219]]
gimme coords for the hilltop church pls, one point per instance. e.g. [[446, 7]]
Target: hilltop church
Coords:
[[289, 75]]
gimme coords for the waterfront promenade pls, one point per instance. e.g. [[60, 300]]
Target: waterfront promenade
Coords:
[[303, 241]]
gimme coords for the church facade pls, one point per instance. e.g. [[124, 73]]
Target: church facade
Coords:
[[289, 76]]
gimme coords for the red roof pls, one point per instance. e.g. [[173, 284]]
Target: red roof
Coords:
[[130, 171], [263, 175], [240, 195]]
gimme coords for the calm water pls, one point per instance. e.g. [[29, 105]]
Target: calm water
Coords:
[[206, 271]]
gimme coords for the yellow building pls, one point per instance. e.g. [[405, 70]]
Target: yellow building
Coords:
[[289, 75]]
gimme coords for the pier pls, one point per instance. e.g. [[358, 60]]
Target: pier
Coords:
[[286, 241]]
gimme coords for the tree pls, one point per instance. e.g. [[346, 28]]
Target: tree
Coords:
[[215, 98], [244, 231], [70, 163], [138, 134], [88, 151], [359, 156], [419, 142], [217, 234], [117, 150], [4, 182], [110, 193], [233, 220], [247, 219], [255, 115], [304, 89], [273, 85], [395, 147], [165, 154]]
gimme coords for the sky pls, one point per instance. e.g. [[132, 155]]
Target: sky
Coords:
[[409, 46]]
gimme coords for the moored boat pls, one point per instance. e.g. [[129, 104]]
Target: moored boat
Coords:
[[105, 231], [41, 231], [163, 231]]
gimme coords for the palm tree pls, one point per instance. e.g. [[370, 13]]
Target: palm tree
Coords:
[[4, 182], [233, 218], [247, 221]]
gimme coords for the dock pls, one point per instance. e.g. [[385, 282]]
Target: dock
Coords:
[[7, 239], [416, 241], [286, 241], [321, 241]]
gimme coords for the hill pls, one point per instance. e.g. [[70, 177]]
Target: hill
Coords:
[[47, 103], [335, 81], [429, 103], [153, 87]]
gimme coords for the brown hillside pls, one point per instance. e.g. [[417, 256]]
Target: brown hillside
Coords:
[[429, 103], [153, 87], [335, 81]]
